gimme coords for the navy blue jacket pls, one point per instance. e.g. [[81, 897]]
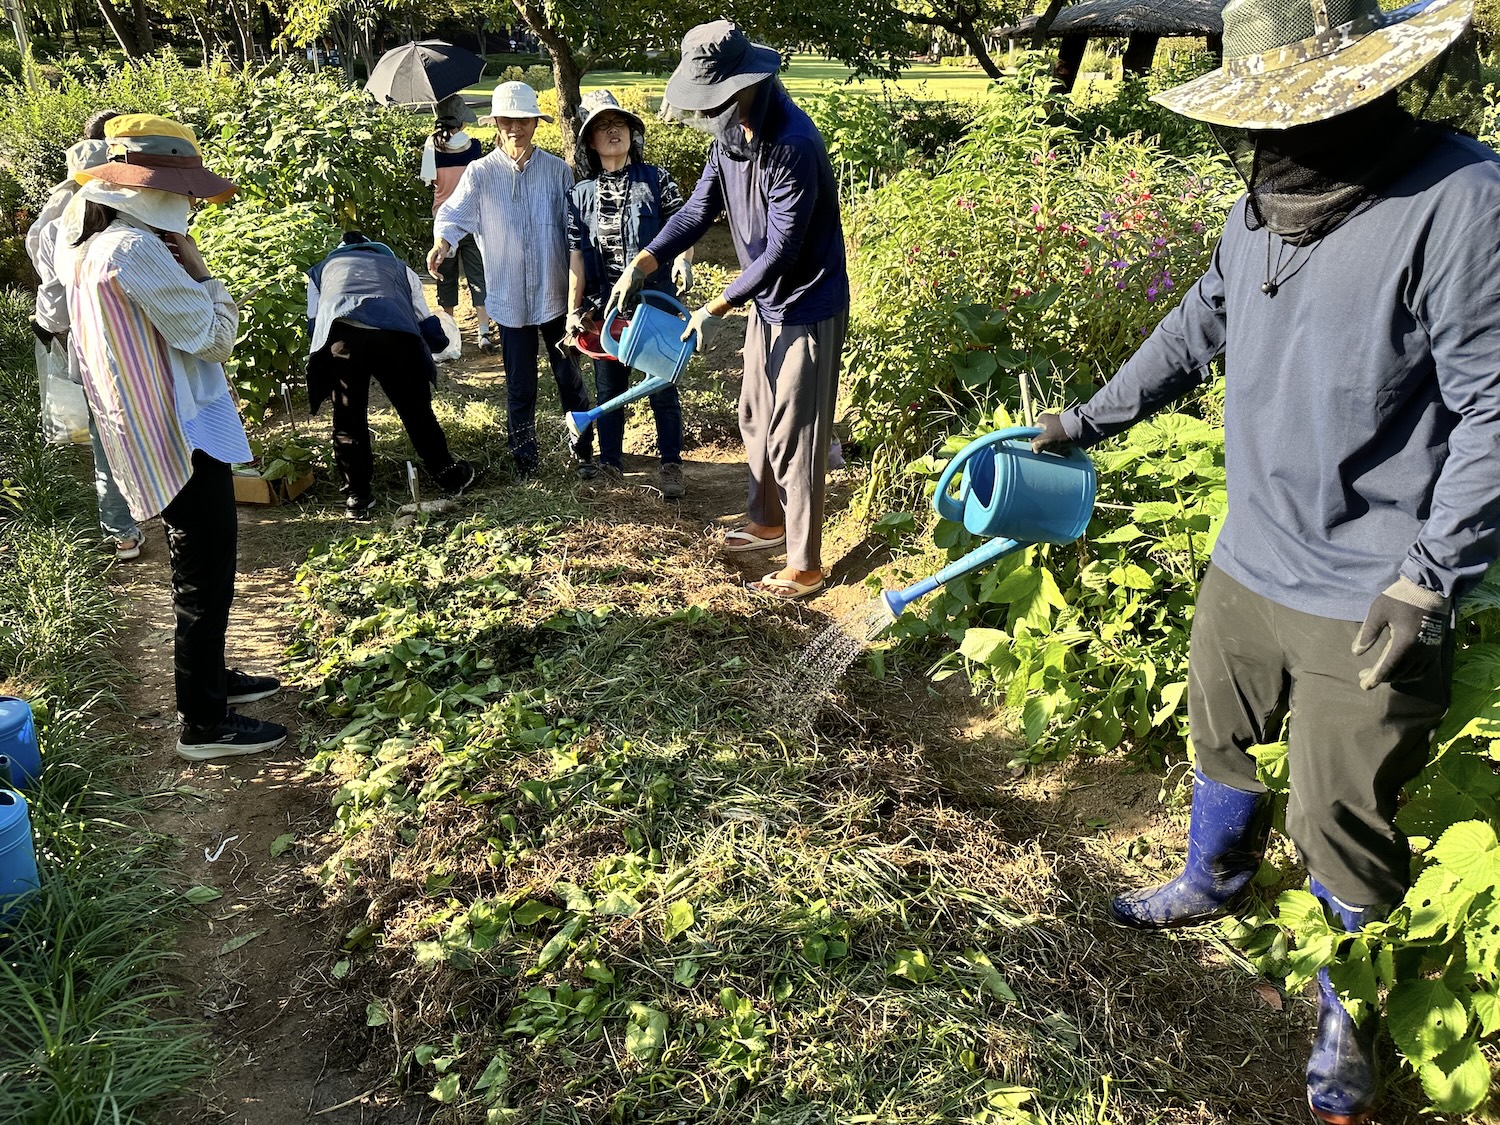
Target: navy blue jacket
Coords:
[[642, 220], [1361, 402], [782, 203]]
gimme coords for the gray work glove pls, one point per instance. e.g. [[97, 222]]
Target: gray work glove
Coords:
[[1053, 438], [577, 325], [702, 327], [682, 275], [1417, 620], [623, 295]]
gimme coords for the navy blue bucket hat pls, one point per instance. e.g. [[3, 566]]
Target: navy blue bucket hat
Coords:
[[718, 61]]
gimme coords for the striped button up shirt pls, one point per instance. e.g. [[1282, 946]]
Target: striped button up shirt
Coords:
[[521, 218], [152, 342]]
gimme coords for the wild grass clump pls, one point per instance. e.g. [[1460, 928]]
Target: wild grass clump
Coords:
[[589, 872], [85, 1035]]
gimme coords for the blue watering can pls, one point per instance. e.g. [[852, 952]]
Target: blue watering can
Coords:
[[18, 873], [19, 752], [1010, 495], [651, 343]]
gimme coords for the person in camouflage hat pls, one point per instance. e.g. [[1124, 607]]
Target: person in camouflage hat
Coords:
[[1354, 300]]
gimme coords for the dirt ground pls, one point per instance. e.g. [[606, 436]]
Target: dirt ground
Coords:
[[253, 960]]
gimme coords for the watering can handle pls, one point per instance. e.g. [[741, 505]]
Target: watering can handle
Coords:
[[607, 340], [665, 301]]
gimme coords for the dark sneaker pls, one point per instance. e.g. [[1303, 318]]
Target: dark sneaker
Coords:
[[673, 486], [456, 478], [587, 470], [235, 736], [359, 508], [241, 687]]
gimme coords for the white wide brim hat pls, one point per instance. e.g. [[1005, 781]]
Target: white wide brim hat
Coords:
[[514, 99]]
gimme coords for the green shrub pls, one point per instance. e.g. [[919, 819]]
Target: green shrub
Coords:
[[261, 253], [1036, 250], [37, 124]]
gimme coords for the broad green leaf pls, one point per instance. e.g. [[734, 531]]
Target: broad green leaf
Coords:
[[235, 942], [1486, 1007], [1171, 696], [911, 964], [597, 970], [283, 842], [376, 1015], [1129, 533], [619, 904], [496, 1075], [1458, 1080], [680, 918], [1425, 1018], [1302, 913], [994, 983], [1470, 852], [1434, 902], [982, 645], [1019, 584], [200, 894], [532, 912], [646, 1033], [1353, 975], [446, 1090], [559, 943], [1131, 577]]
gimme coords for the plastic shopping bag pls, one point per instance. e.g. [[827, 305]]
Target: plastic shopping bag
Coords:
[[65, 414], [455, 346]]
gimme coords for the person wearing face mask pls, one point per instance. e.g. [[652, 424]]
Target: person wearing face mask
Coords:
[[516, 201], [768, 172], [1354, 298], [614, 212], [445, 155], [153, 329]]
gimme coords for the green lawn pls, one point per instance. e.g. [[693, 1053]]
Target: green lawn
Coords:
[[808, 74]]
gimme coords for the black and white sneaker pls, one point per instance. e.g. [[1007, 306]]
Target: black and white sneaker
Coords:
[[241, 687], [456, 478], [234, 736]]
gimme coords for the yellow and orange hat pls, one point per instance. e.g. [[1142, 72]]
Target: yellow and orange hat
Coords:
[[148, 151]]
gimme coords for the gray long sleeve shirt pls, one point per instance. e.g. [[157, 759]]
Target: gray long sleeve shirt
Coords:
[[1362, 401]]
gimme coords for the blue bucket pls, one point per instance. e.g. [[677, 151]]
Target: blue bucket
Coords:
[[18, 741], [17, 853], [652, 342], [1009, 492]]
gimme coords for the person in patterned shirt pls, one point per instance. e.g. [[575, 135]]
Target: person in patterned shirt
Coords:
[[612, 215]]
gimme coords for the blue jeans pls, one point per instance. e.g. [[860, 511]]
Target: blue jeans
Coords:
[[518, 350], [612, 378], [114, 513]]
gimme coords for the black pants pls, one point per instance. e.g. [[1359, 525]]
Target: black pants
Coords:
[[202, 530], [400, 363], [1253, 666], [518, 350]]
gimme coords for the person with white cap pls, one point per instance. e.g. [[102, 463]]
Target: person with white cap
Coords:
[[618, 208], [1354, 298], [152, 329], [445, 155], [768, 172], [50, 322], [516, 201]]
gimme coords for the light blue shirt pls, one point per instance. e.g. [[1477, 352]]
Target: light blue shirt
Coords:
[[520, 216]]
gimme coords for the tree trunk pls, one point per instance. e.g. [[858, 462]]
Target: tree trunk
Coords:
[[144, 41], [124, 33], [567, 72], [960, 22], [1044, 23]]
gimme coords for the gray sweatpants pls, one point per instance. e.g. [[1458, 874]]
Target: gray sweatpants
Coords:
[[1256, 668], [786, 422]]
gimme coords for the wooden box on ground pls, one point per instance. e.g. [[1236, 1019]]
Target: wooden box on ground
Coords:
[[251, 488]]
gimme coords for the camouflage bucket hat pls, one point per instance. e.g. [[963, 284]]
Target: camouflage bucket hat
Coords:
[[1293, 62]]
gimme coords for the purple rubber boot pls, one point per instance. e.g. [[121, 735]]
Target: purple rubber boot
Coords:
[[1341, 1069], [1226, 842]]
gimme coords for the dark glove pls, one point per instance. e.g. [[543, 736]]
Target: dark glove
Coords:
[[1417, 620], [1053, 438], [432, 332], [623, 295], [42, 334], [577, 324]]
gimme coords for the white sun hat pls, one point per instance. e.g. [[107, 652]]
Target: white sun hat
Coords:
[[514, 99]]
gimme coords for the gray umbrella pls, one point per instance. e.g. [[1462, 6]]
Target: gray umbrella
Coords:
[[423, 73]]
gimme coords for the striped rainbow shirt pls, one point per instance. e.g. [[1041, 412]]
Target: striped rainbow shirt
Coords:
[[152, 343]]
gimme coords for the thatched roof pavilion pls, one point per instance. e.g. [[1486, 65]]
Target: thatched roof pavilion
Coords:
[[1143, 22]]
